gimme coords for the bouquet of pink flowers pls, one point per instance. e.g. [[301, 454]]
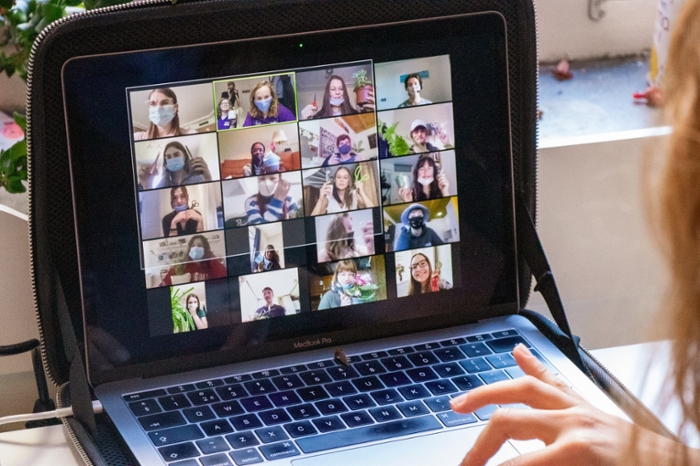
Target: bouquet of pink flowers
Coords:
[[363, 290]]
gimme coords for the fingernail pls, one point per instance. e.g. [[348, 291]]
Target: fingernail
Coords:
[[455, 402], [525, 349]]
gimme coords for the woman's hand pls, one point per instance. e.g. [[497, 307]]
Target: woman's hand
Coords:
[[369, 105], [368, 236], [443, 184], [345, 300], [282, 190], [406, 194], [324, 195], [308, 112], [198, 165], [573, 430]]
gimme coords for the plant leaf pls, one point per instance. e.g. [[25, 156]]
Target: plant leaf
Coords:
[[21, 120], [5, 161], [14, 185], [18, 149]]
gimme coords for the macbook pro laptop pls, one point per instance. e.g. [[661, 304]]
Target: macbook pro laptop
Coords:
[[296, 249]]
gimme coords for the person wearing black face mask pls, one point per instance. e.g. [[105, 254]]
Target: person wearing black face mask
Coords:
[[414, 232]]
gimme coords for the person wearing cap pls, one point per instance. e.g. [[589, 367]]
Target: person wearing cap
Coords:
[[262, 163], [344, 153], [414, 231], [413, 85], [419, 135]]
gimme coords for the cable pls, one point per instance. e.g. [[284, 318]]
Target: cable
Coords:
[[62, 412]]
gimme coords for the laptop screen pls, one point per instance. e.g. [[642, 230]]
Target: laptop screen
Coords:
[[245, 199]]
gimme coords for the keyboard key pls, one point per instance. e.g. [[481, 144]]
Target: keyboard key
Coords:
[[333, 406], [279, 450], [450, 369], [265, 374], [181, 389], [371, 433], [321, 364], [210, 383], [361, 401], [203, 413], [282, 399], [505, 333], [475, 350], [227, 408], [501, 361], [367, 384], [293, 369], [449, 354], [238, 378], [515, 372], [172, 402], [212, 445], [412, 408], [288, 382], [485, 413], [342, 372], [274, 416], [247, 456], [256, 403], [451, 419], [396, 363], [336, 389], [441, 387], [400, 351], [232, 392], [493, 376], [242, 440], [180, 451], [475, 365], [162, 420], [164, 437], [259, 387], [216, 460], [385, 414], [203, 397], [245, 422], [309, 394], [144, 395], [189, 462], [144, 407], [453, 342], [328, 424], [374, 355], [467, 382], [422, 374], [414, 392], [316, 377], [424, 358], [544, 362], [438, 404], [426, 346], [386, 397], [305, 411], [479, 338], [356, 419], [271, 434], [300, 429], [216, 427], [506, 345], [370, 368], [395, 379]]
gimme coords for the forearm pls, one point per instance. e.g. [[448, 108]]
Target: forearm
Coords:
[[321, 206]]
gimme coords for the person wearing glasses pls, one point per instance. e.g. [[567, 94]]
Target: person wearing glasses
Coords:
[[423, 278], [162, 111]]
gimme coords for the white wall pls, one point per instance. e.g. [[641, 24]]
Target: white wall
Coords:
[[564, 28]]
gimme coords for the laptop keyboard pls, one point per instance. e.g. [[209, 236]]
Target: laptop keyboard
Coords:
[[284, 412]]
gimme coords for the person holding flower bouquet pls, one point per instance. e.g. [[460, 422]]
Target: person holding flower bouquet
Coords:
[[347, 287]]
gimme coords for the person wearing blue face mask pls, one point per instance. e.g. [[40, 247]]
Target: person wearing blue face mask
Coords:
[[265, 107], [201, 263], [342, 284], [179, 168], [163, 113], [182, 220], [344, 153], [270, 260]]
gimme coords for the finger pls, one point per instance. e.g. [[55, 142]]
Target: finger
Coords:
[[532, 366], [513, 424]]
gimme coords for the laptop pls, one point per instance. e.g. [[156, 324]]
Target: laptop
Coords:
[[297, 249]]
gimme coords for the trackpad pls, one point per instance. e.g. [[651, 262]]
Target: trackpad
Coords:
[[448, 448]]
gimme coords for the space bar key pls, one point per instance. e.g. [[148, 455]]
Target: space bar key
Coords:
[[371, 433]]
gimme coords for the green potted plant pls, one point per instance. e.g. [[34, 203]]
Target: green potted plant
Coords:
[[182, 319], [363, 87]]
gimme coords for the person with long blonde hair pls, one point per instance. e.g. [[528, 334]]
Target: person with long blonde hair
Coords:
[[574, 431], [265, 107]]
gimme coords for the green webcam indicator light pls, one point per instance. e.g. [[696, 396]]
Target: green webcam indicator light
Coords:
[[301, 45]]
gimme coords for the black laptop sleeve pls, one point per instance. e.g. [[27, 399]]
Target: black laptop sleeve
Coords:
[[147, 24]]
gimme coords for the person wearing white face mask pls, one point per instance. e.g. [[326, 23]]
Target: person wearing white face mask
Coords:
[[163, 113], [201, 263], [413, 85], [428, 182], [182, 220], [336, 101], [265, 107], [179, 168], [272, 202], [199, 315]]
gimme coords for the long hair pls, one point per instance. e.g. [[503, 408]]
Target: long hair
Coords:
[[254, 111], [218, 107], [205, 243], [188, 158], [192, 295], [274, 257], [414, 286], [347, 198], [418, 194], [675, 211], [326, 109], [174, 123], [337, 240]]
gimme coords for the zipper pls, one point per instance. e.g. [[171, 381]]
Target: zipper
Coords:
[[30, 68], [69, 429]]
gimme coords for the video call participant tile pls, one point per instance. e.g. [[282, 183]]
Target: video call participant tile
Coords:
[[420, 177], [415, 130], [344, 139], [421, 224], [409, 83], [347, 282], [341, 188], [424, 270], [269, 295]]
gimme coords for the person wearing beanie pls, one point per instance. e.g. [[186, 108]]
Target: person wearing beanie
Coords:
[[415, 233]]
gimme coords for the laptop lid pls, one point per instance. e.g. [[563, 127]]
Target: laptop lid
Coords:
[[218, 223]]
